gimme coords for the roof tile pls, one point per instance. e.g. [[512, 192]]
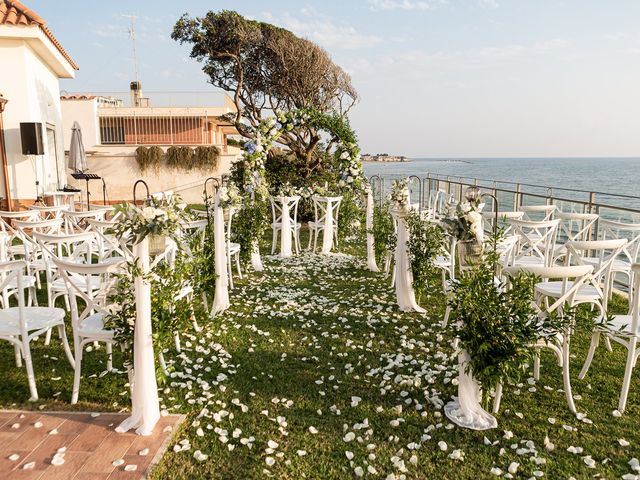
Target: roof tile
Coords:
[[13, 12]]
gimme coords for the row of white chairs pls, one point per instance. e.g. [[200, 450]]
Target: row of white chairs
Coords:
[[578, 271]]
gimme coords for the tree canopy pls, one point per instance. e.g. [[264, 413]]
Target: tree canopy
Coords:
[[266, 68]]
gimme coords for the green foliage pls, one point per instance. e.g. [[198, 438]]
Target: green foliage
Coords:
[[351, 218], [497, 323], [384, 234], [425, 244], [149, 158], [249, 225]]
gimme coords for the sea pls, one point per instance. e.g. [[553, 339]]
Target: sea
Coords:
[[616, 179]]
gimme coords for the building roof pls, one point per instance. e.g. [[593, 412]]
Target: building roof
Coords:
[[77, 97], [13, 12]]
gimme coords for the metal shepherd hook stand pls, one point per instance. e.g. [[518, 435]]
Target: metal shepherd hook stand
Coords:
[[135, 186]]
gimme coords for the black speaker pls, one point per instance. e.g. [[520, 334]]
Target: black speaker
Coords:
[[31, 136]]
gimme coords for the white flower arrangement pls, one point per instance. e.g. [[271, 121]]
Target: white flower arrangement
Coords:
[[160, 216], [464, 221], [399, 196], [229, 196]]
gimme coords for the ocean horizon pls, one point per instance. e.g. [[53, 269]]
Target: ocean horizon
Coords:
[[609, 175]]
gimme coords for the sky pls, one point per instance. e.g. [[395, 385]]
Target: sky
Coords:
[[436, 78]]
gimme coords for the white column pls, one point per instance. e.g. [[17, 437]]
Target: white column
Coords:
[[145, 408]]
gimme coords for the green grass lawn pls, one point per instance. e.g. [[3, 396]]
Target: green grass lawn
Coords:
[[314, 373]]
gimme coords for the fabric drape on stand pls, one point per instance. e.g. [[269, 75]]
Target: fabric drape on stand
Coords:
[[466, 410], [221, 298], [145, 406], [405, 295], [256, 260], [327, 234], [285, 243], [371, 254]]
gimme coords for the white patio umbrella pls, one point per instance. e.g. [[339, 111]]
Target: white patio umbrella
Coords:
[[77, 156]]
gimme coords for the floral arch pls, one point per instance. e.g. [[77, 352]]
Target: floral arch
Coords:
[[249, 174]]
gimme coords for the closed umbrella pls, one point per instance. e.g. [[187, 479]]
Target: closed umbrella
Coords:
[[77, 157]]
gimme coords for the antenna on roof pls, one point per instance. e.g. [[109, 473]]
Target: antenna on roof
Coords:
[[132, 36]]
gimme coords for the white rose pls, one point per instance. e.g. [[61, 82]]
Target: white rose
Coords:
[[344, 155], [149, 213], [474, 218], [349, 179], [353, 171]]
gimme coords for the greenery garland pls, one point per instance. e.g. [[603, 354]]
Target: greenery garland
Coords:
[[426, 242], [384, 234]]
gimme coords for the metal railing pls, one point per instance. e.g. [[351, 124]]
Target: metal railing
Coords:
[[154, 129], [511, 196]]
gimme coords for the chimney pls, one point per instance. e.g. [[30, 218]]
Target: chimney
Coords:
[[136, 94]]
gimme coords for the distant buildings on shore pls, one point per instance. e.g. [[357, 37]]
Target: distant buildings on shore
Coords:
[[383, 157]]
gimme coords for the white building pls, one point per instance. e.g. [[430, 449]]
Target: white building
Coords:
[[32, 61], [113, 130]]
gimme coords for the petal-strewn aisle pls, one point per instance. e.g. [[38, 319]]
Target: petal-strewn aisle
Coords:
[[314, 373]]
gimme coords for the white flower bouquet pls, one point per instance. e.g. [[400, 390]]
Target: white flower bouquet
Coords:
[[159, 216], [399, 196]]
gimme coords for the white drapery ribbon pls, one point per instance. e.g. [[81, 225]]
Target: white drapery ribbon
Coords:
[[145, 406], [371, 254], [405, 295], [328, 228], [285, 242], [256, 259], [221, 298], [466, 410]]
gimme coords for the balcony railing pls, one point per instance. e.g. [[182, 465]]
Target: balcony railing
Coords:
[[159, 130]]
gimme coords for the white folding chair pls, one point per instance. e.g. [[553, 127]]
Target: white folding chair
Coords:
[[21, 324], [503, 220], [276, 224], [320, 207], [595, 291], [535, 242], [88, 324], [571, 279], [7, 220], [47, 212], [574, 226], [609, 229], [622, 329], [538, 212], [32, 251], [73, 248], [76, 222]]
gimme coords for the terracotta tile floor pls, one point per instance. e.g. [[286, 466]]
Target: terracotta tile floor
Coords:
[[91, 445]]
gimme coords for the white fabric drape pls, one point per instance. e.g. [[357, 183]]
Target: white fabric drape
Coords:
[[256, 259], [371, 254], [145, 406], [285, 242], [221, 298], [329, 222], [466, 411], [405, 295]]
